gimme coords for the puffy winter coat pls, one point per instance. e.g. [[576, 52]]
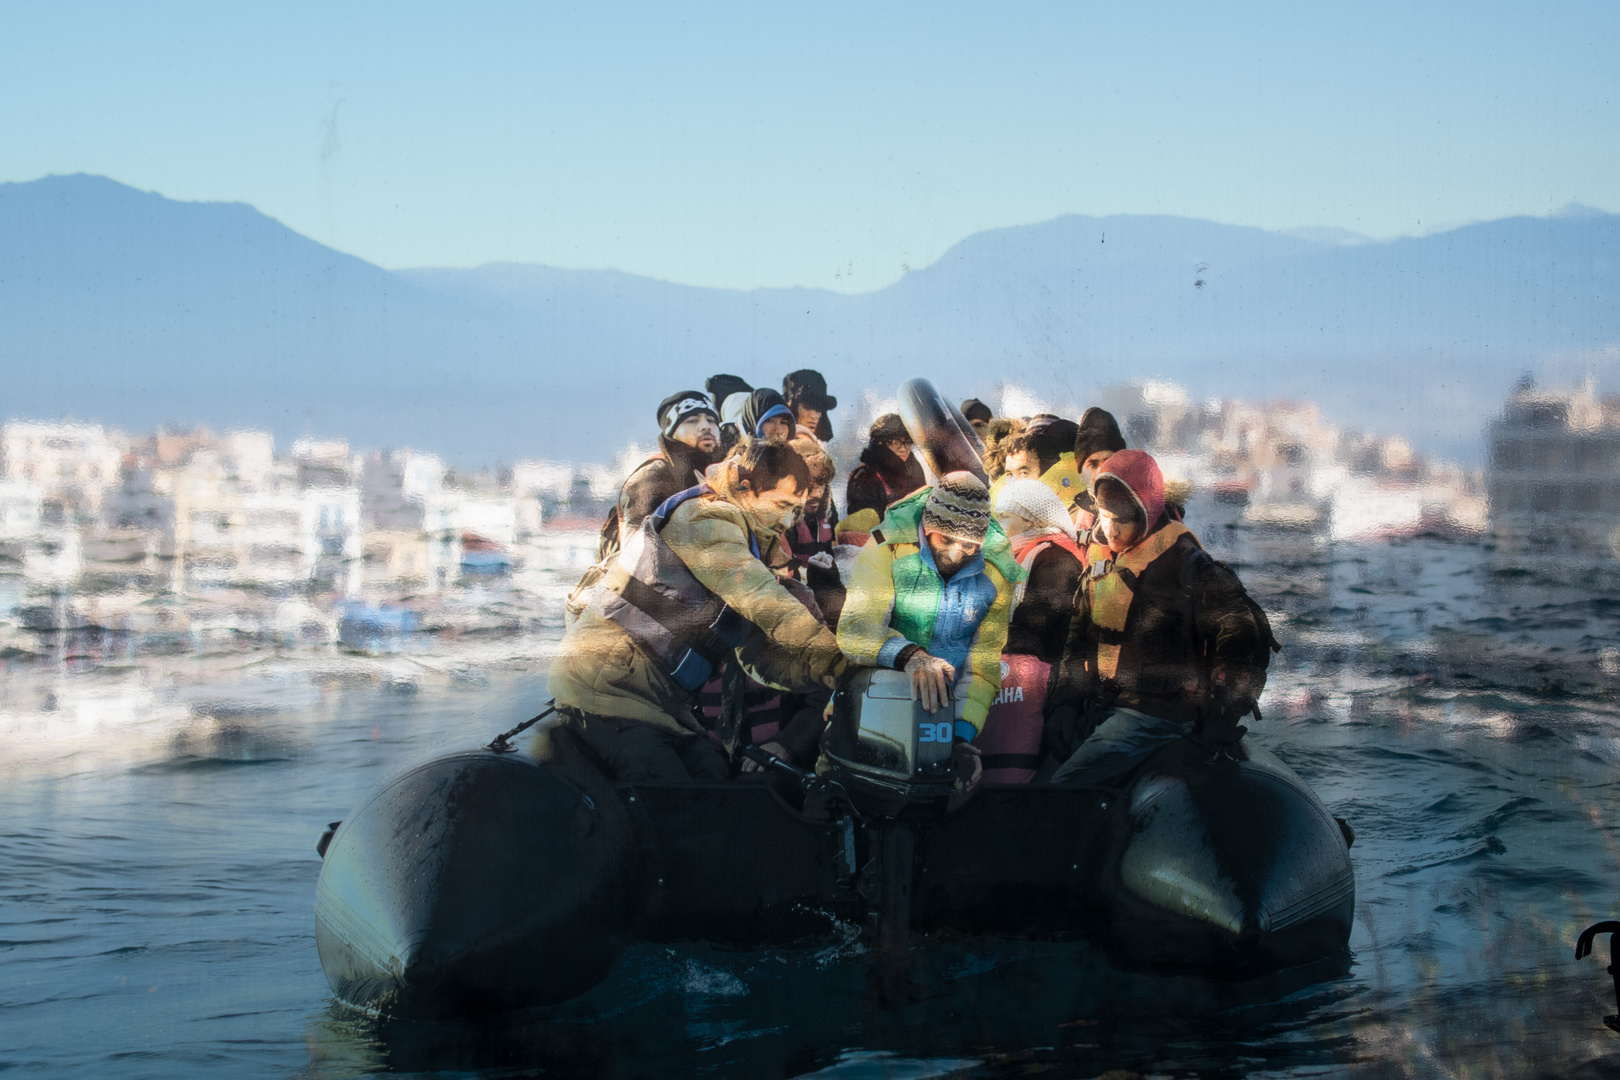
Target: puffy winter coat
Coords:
[[897, 599], [601, 670]]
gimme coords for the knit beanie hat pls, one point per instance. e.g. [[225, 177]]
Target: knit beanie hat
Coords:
[[1098, 432], [959, 507], [677, 407], [1036, 503]]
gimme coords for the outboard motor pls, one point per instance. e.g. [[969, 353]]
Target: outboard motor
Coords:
[[892, 756]]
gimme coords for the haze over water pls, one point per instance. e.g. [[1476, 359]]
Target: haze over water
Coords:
[[155, 899]]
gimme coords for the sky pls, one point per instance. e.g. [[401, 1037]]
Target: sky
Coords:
[[828, 145]]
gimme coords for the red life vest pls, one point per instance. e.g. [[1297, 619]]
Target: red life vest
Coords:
[[1011, 739]]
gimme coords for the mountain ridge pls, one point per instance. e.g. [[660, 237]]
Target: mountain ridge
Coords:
[[141, 310]]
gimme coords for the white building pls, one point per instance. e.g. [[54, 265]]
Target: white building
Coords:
[[73, 464], [412, 535]]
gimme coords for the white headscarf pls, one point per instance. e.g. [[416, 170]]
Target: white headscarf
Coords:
[[1036, 503]]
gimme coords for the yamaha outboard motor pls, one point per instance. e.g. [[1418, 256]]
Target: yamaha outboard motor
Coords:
[[891, 755]]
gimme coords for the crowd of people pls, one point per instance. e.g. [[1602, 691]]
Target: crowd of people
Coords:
[[1063, 615]]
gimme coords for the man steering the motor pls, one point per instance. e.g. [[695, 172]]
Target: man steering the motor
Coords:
[[930, 596]]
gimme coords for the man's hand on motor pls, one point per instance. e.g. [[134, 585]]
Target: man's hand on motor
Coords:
[[969, 766], [750, 765], [931, 680]]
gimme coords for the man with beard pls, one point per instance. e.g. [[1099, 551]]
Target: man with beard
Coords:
[[688, 443], [930, 596], [888, 471], [694, 588]]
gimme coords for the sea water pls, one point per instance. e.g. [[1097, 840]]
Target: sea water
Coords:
[[158, 866]]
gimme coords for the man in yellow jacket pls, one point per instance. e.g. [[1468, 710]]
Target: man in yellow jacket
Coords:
[[930, 595], [693, 587]]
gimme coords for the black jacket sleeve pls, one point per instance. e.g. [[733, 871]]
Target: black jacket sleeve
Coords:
[[1040, 622], [1071, 683]]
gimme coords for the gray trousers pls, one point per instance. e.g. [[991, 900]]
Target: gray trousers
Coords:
[[1119, 743]]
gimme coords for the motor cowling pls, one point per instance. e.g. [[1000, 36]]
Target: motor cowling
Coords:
[[892, 756]]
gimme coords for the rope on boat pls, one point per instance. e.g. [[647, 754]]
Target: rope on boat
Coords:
[[502, 743]]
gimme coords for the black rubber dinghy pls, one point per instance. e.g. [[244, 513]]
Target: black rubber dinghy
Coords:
[[511, 877], [479, 882]]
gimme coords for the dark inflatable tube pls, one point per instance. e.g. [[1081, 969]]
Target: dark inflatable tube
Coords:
[[481, 882], [1239, 855], [1226, 868], [472, 883], [942, 435]]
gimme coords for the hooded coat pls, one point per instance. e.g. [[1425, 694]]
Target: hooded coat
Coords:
[[880, 479], [898, 602], [763, 404], [603, 672], [1162, 628], [674, 468]]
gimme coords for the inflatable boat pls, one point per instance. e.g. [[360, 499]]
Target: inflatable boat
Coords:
[[510, 876]]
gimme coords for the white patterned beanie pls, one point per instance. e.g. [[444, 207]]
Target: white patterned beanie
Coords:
[[959, 507]]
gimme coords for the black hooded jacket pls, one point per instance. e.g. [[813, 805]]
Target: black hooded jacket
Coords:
[[676, 468], [760, 402], [880, 479]]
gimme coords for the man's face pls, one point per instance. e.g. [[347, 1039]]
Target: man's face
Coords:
[[699, 431], [777, 429], [778, 509], [950, 554], [1089, 467], [807, 416], [1121, 533], [900, 448], [816, 502], [1023, 466]]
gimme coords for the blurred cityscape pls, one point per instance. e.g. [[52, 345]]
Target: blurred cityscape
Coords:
[[117, 546]]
